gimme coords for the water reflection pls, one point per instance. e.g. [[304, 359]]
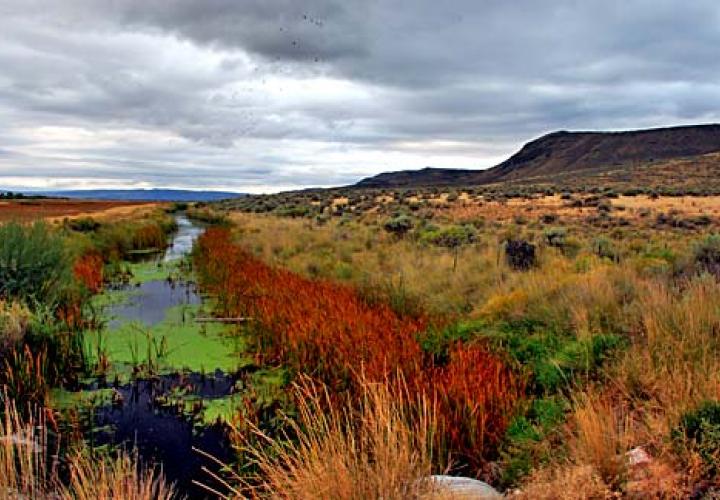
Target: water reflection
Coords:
[[183, 240]]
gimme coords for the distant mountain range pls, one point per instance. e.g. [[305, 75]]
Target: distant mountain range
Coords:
[[560, 153], [182, 195]]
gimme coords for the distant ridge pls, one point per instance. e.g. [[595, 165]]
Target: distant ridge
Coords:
[[562, 152], [141, 194], [428, 176]]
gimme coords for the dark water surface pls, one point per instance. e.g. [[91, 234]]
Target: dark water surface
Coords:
[[142, 418]]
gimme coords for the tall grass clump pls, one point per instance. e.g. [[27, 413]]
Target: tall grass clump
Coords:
[[14, 319], [602, 436], [114, 478], [25, 471], [675, 358], [369, 448]]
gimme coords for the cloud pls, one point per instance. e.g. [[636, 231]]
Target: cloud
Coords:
[[269, 94]]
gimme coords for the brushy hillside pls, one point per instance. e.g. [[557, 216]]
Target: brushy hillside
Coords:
[[563, 152]]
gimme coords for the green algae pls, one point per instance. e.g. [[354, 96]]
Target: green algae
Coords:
[[142, 272], [136, 273], [220, 410], [112, 298], [178, 343]]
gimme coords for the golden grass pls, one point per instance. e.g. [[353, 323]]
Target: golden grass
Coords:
[[114, 479], [689, 205], [372, 448], [366, 256], [671, 365], [674, 363], [24, 471], [467, 210], [602, 437]]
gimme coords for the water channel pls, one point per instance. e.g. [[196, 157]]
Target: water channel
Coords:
[[171, 378]]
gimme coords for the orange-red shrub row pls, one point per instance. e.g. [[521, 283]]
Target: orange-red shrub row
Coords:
[[325, 330], [312, 325]]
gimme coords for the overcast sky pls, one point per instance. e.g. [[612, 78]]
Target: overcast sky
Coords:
[[263, 95]]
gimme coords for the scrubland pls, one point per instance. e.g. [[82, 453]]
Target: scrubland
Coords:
[[554, 346]]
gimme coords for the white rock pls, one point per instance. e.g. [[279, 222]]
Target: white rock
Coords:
[[638, 456], [464, 487]]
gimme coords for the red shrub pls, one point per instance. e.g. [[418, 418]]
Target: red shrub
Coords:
[[475, 395], [88, 269]]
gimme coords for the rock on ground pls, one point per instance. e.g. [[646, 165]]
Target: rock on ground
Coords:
[[465, 488]]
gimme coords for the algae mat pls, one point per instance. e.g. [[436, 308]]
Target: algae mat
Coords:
[[177, 343]]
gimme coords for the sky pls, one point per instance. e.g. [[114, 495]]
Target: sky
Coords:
[[268, 95]]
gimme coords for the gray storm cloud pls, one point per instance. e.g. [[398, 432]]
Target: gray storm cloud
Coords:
[[270, 94]]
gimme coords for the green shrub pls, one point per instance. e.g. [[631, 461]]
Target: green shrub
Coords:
[[449, 236], [555, 237], [399, 225], [526, 441], [706, 254], [604, 248], [82, 225], [33, 263], [700, 431]]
